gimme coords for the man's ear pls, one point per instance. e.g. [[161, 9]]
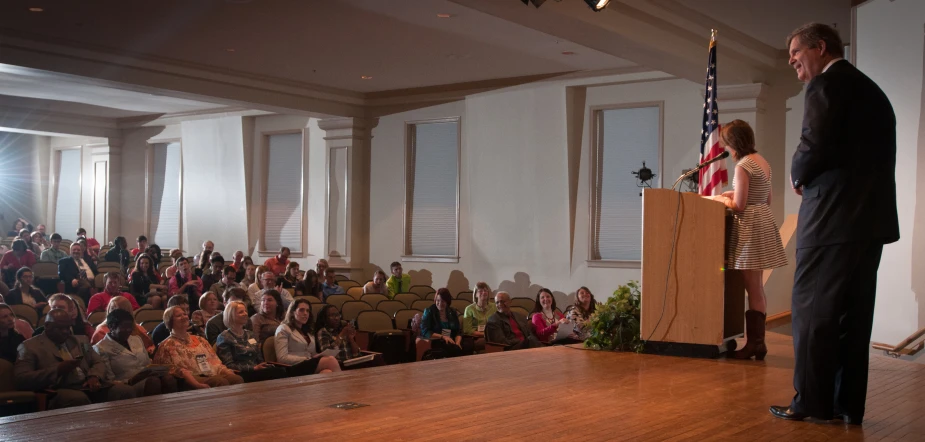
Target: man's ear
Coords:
[[820, 45]]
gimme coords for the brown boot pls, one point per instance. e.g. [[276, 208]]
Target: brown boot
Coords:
[[754, 333]]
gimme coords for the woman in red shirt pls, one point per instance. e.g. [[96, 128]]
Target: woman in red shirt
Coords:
[[14, 260]]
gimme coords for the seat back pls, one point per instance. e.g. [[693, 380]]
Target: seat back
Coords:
[[467, 295], [100, 281], [430, 296], [347, 283], [338, 300], [374, 321], [6, 376], [390, 307], [351, 309], [311, 299], [96, 318], [521, 310], [406, 298], [355, 292], [149, 326], [107, 266], [373, 299], [143, 315], [460, 304], [26, 313], [524, 303], [421, 290], [422, 304], [46, 270], [338, 277], [403, 317], [269, 350]]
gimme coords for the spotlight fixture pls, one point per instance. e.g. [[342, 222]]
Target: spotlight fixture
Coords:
[[366, 77], [597, 5], [536, 3]]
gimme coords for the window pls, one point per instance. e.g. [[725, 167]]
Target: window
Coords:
[[623, 139], [67, 202], [165, 196], [283, 193], [432, 191]]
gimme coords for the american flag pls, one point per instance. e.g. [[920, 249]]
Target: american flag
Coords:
[[713, 177]]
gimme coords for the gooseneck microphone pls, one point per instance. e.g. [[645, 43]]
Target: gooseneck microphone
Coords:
[[700, 167]]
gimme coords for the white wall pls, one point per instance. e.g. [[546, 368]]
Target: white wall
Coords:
[[890, 51]]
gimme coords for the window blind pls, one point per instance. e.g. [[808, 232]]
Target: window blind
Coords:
[[283, 222], [433, 183], [627, 138], [67, 204], [165, 196]]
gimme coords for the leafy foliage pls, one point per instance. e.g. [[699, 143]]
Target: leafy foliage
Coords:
[[615, 323]]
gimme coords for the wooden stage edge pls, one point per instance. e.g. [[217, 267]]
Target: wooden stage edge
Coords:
[[555, 393]]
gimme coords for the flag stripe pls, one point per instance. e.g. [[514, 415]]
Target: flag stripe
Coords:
[[713, 178]]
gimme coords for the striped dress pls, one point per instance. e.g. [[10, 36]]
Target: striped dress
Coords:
[[754, 243]]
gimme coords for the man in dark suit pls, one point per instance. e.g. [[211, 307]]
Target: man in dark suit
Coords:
[[844, 167], [508, 328], [77, 273]]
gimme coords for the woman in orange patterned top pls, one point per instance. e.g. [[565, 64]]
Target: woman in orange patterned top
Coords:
[[190, 356]]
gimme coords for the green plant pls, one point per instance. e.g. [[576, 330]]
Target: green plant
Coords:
[[615, 323]]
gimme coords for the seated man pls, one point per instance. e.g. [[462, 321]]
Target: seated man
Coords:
[[277, 264], [113, 288], [217, 264], [206, 252], [398, 282], [227, 281], [329, 286], [216, 325], [141, 245], [76, 273], [66, 364], [508, 328], [53, 254]]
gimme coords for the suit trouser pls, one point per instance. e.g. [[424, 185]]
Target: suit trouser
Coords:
[[71, 398], [834, 289]]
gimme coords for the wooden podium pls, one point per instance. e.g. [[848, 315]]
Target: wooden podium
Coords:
[[702, 310]]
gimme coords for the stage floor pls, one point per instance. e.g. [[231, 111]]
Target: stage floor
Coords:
[[544, 394]]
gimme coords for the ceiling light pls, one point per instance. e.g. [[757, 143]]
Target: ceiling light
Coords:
[[444, 15], [36, 9], [366, 77], [597, 5], [536, 3]]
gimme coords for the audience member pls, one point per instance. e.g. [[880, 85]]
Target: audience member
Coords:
[[144, 283], [216, 326], [545, 318], [277, 264], [26, 293], [237, 261], [92, 246], [291, 277], [162, 331], [24, 328], [580, 313], [268, 316], [204, 255], [141, 245], [76, 272], [154, 252], [20, 256], [239, 350], [69, 304], [99, 301], [175, 254], [309, 285], [335, 334], [208, 308], [117, 303], [65, 363], [242, 269], [87, 256], [378, 285], [185, 351], [399, 282], [329, 286], [41, 242], [118, 253], [9, 336], [126, 358], [295, 344], [185, 282], [249, 278], [18, 225], [53, 253], [440, 324], [216, 271], [509, 328], [26, 236], [476, 315], [41, 230], [321, 266], [227, 281], [257, 286]]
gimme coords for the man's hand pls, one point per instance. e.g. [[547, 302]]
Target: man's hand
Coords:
[[261, 366], [65, 367], [74, 283], [93, 383], [796, 190]]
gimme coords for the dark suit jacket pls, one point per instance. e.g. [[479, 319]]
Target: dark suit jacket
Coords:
[[69, 271], [15, 296], [498, 329], [846, 161]]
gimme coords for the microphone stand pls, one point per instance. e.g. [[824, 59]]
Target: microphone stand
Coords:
[[685, 175]]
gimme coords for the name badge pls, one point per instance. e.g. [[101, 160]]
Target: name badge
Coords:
[[252, 341], [204, 367], [482, 328]]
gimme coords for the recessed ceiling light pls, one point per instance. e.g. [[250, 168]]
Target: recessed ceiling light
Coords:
[[366, 77], [36, 9], [229, 50], [444, 15], [568, 53]]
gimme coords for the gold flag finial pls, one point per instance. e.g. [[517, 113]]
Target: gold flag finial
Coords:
[[712, 34]]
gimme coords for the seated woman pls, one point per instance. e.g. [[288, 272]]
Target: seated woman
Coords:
[[26, 293], [257, 286], [170, 271], [250, 275], [16, 259], [441, 325], [377, 285], [121, 303], [185, 282], [545, 318], [291, 278], [126, 357], [68, 304], [203, 369], [309, 285], [580, 314], [9, 337], [22, 327], [144, 282], [208, 308], [295, 345], [335, 334], [477, 314], [269, 314], [237, 347]]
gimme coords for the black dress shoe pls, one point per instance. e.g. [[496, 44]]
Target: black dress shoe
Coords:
[[849, 420], [785, 412]]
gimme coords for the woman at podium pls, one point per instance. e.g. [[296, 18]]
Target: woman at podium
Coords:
[[754, 243]]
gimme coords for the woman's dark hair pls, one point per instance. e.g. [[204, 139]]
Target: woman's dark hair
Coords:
[[16, 224], [279, 303], [309, 274], [537, 308], [740, 137], [19, 273], [151, 274], [248, 261], [120, 242], [592, 308], [4, 306], [19, 246], [322, 320], [290, 321], [216, 258], [154, 252], [204, 257], [445, 295], [115, 317]]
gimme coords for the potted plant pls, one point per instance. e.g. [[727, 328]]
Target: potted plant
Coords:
[[615, 323]]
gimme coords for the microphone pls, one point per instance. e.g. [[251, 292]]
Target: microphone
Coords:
[[700, 167]]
